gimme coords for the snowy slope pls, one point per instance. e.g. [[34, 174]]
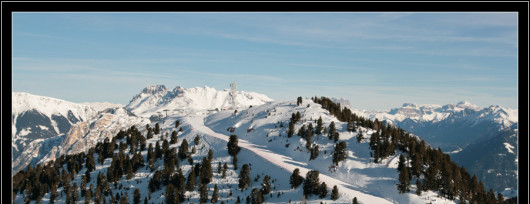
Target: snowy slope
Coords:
[[101, 106], [263, 145], [157, 98], [258, 130]]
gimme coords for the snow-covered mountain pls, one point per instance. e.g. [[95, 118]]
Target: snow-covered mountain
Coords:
[[157, 99], [464, 128], [494, 160], [451, 126], [44, 127], [262, 132]]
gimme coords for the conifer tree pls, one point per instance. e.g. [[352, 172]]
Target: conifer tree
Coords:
[[219, 168], [339, 152], [311, 183], [232, 145], [190, 185], [314, 152], [266, 185], [183, 149], [157, 129], [215, 195], [296, 179], [331, 130], [404, 180], [225, 168], [174, 137], [298, 116], [137, 196], [290, 131], [88, 194], [355, 200], [244, 177], [319, 126], [256, 196], [206, 174], [335, 193], [210, 154], [196, 139], [171, 197], [401, 163], [203, 193], [322, 190], [299, 100]]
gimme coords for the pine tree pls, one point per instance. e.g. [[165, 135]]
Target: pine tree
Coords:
[[232, 145], [83, 185], [314, 152], [206, 174], [244, 177], [157, 129], [404, 180], [90, 163], [298, 116], [174, 137], [215, 195], [190, 185], [311, 183], [88, 194], [177, 123], [137, 196], [197, 139], [203, 193], [210, 154], [290, 131], [225, 168], [355, 200], [171, 196], [183, 149], [401, 163], [299, 100], [266, 185], [319, 126], [335, 193], [296, 179], [339, 152], [256, 196], [322, 190], [331, 130], [158, 150]]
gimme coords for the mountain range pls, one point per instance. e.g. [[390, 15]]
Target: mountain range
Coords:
[[44, 128]]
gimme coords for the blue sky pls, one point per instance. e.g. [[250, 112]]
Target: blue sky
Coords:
[[376, 60]]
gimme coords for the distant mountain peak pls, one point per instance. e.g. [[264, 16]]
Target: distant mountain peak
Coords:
[[152, 89], [157, 98]]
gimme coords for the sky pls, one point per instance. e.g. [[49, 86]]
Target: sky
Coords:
[[378, 61]]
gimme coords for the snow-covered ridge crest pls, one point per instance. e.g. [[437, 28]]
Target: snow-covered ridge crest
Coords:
[[157, 98], [49, 106], [436, 113]]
